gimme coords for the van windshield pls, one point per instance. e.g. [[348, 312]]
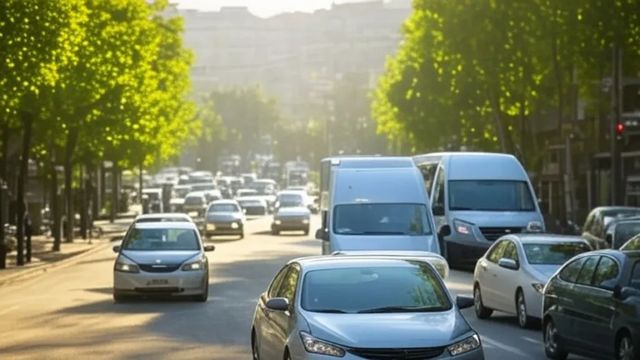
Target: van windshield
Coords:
[[381, 219], [490, 195]]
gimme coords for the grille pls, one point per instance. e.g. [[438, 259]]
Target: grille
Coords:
[[494, 233], [159, 290], [165, 268], [398, 354]]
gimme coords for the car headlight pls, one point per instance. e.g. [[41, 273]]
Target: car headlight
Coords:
[[211, 226], [317, 346], [469, 344], [305, 221], [538, 287], [234, 225], [193, 266], [462, 227], [127, 267], [535, 227], [277, 222]]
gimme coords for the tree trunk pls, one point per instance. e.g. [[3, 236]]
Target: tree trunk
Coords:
[[560, 119], [55, 208], [140, 184], [3, 179], [83, 204], [114, 192], [23, 176], [72, 138]]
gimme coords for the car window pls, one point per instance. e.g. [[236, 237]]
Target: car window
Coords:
[[288, 286], [161, 240], [438, 200], [571, 271], [428, 174], [586, 273], [381, 219], [633, 244], [497, 252], [553, 253], [275, 284], [510, 251], [224, 208], [606, 272], [635, 276]]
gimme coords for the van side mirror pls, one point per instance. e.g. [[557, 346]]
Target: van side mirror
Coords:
[[209, 248], [444, 231], [321, 234], [438, 210], [464, 302]]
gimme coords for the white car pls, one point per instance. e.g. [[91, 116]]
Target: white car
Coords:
[[163, 217], [511, 275]]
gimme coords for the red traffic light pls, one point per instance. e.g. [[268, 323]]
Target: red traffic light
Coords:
[[619, 128]]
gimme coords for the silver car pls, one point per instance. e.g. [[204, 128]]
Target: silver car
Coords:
[[511, 275], [165, 258], [361, 308], [163, 217], [291, 213], [224, 217]]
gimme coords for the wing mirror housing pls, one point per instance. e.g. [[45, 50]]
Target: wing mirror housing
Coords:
[[323, 235], [444, 231], [209, 248], [464, 302], [116, 249], [278, 304], [508, 264]]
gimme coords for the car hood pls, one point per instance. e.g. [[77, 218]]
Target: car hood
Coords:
[[223, 216], [544, 272], [398, 330], [384, 242], [497, 218], [292, 211], [159, 257]]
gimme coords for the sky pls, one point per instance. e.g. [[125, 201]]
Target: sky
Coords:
[[263, 8]]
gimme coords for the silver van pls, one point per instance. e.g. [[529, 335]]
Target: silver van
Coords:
[[374, 204], [477, 198]]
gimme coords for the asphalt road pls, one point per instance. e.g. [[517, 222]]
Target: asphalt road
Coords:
[[69, 312]]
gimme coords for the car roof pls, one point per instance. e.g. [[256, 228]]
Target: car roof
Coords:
[[196, 193], [224, 202], [163, 215], [542, 238], [324, 262], [165, 225], [621, 255], [614, 208], [290, 192]]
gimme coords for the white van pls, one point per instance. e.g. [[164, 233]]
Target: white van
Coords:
[[477, 198]]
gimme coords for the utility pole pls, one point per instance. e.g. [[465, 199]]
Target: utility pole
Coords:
[[616, 107]]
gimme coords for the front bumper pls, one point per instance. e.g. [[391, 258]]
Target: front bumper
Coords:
[[465, 253], [290, 225], [219, 228], [476, 354], [174, 283]]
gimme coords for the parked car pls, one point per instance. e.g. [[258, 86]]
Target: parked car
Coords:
[[162, 259], [253, 205], [476, 198], [622, 230], [290, 214], [592, 307], [224, 217], [511, 275], [595, 227], [163, 217], [361, 308], [195, 204]]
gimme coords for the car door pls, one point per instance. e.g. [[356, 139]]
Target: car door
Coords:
[[579, 308], [560, 297], [438, 199], [265, 327], [487, 275], [506, 279], [603, 308], [283, 320]]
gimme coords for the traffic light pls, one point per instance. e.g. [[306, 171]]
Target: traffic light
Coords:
[[619, 129]]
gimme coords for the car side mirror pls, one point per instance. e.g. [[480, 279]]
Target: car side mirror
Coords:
[[116, 249], [464, 302], [438, 210], [321, 234], [209, 248], [444, 231], [508, 264], [278, 304]]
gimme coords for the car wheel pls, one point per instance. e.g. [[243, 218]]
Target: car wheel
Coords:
[[481, 311], [552, 345], [306, 231], [524, 320], [242, 235], [118, 298], [275, 232], [254, 348], [625, 349], [205, 293]]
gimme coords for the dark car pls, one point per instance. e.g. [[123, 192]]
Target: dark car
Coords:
[[591, 306], [595, 227], [622, 230]]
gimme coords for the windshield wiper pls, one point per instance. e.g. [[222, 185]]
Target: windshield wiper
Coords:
[[329, 311], [397, 309]]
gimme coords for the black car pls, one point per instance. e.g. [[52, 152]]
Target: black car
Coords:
[[591, 306], [595, 227]]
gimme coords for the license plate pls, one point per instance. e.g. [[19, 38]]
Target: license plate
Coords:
[[158, 282]]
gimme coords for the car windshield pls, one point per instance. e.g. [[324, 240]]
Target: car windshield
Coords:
[[227, 208], [290, 200], [161, 219], [553, 254], [414, 287], [193, 200], [250, 203], [381, 219], [490, 195], [161, 240], [626, 231], [203, 187]]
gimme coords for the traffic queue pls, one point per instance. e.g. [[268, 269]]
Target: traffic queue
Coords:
[[391, 228]]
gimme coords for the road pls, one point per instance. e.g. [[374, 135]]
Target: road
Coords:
[[69, 312]]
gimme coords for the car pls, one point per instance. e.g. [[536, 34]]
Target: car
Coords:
[[510, 276], [253, 205], [164, 217], [361, 307], [307, 200], [179, 192], [224, 217], [266, 189], [622, 230], [209, 189], [154, 199], [248, 178], [592, 307], [195, 203], [241, 193], [162, 258], [632, 244], [290, 214], [476, 198], [595, 226]]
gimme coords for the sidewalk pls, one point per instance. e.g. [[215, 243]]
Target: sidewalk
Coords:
[[43, 258]]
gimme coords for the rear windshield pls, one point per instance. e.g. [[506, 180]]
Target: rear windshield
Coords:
[[223, 208], [490, 195], [194, 200], [553, 254], [381, 219], [161, 240]]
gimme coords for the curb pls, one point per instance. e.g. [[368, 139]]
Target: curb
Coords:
[[31, 273]]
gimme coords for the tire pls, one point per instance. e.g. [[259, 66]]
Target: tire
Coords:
[[242, 235], [481, 311], [306, 231], [625, 349], [119, 298], [255, 353], [275, 232], [525, 321], [205, 294], [552, 345]]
